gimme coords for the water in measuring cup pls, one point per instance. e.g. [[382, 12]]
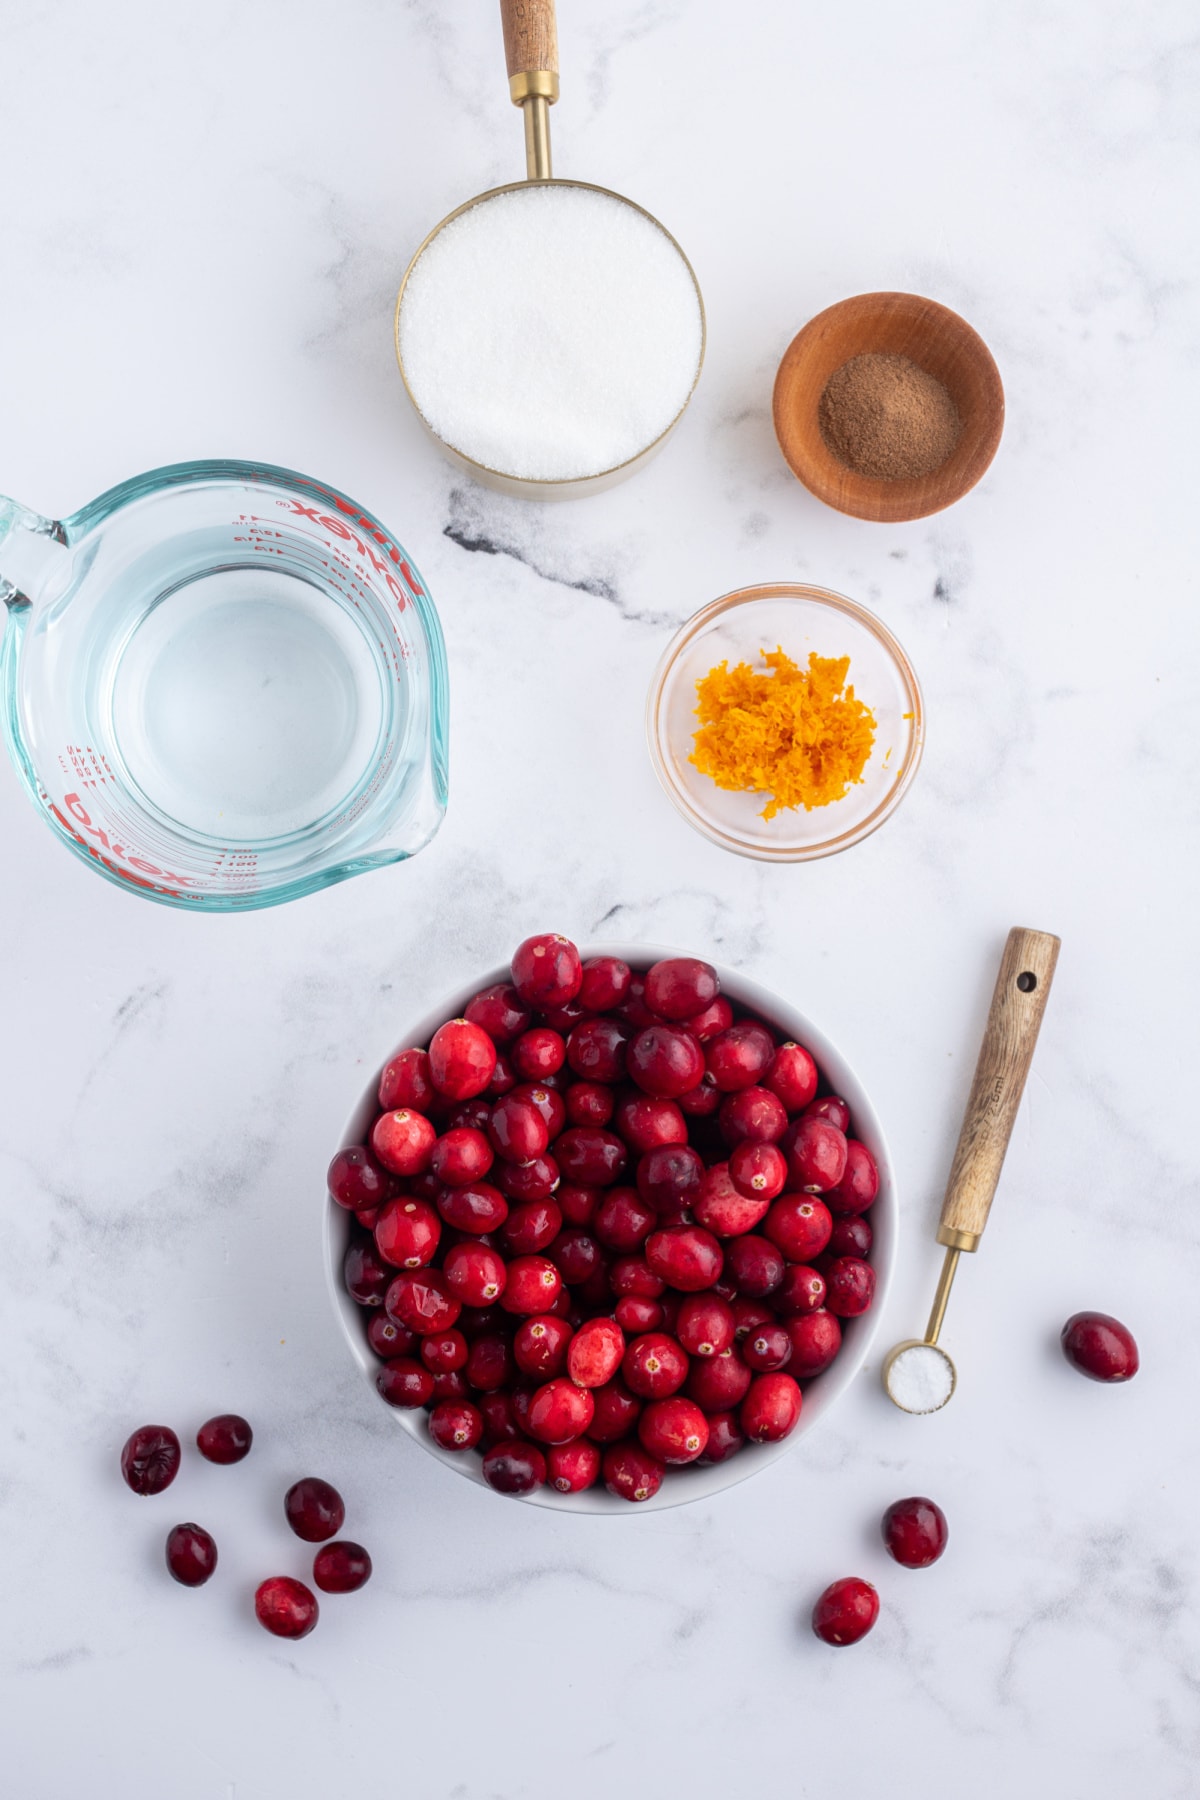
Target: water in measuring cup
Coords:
[[247, 705]]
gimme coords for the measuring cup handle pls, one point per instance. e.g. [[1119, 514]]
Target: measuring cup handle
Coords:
[[1022, 989], [530, 48]]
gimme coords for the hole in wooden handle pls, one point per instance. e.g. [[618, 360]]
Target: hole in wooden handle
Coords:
[[1027, 981]]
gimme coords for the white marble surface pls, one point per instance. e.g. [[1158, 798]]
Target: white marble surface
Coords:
[[206, 214]]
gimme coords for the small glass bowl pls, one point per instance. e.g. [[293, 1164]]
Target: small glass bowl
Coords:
[[798, 619]]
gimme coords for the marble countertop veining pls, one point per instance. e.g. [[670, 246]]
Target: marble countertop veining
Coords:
[[207, 212]]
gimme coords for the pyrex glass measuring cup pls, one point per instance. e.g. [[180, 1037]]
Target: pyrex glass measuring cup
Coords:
[[224, 684]]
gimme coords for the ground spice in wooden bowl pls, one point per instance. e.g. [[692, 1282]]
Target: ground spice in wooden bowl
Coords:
[[882, 414]]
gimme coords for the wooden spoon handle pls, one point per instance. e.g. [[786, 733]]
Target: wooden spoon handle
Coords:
[[1022, 990], [530, 47]]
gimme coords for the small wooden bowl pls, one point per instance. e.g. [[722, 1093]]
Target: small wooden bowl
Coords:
[[905, 325]]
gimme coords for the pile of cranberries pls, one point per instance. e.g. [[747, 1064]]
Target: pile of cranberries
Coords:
[[607, 1225]]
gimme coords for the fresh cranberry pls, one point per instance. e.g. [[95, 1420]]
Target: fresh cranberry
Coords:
[[816, 1339], [470, 1115], [740, 1056], [647, 1123], [560, 1411], [622, 1221], [150, 1459], [490, 1363], [1100, 1347], [596, 1048], [768, 1348], [752, 1115], [479, 1207], [633, 1275], [500, 1011], [475, 1274], [816, 1155], [575, 1254], [532, 1286], [225, 1439], [635, 1315], [574, 1466], [499, 1420], [715, 1018], [562, 1019], [589, 1103], [423, 1300], [673, 1430], [803, 1289], [705, 1325], [686, 1256], [285, 1607], [451, 1384], [460, 1156], [665, 1061], [407, 1082], [915, 1532], [680, 986], [671, 1301], [537, 1052], [851, 1236], [403, 1141], [578, 1205], [631, 1473], [725, 1437], [404, 1382], [771, 1408], [368, 1217], [540, 1346], [547, 971], [719, 1383], [633, 1008], [616, 1414], [355, 1180], [748, 1315], [756, 1266], [462, 1058], [702, 1101], [851, 1286], [407, 1232], [595, 1353], [365, 1275], [191, 1554], [531, 1227], [546, 1100], [443, 1351], [589, 1157], [792, 1075], [535, 1180], [456, 1425], [721, 1209], [758, 1170], [669, 1178], [425, 1186], [514, 1467], [798, 1226], [857, 1189], [386, 1338], [832, 1108], [846, 1611], [521, 1394], [604, 983], [314, 1510], [517, 1129], [504, 1078], [654, 1366], [341, 1568]]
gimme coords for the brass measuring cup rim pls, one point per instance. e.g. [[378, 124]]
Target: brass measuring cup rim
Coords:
[[889, 1361]]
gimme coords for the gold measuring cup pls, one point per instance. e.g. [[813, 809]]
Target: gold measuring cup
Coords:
[[1018, 1005], [531, 52]]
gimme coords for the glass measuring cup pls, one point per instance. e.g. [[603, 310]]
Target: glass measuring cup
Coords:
[[224, 684]]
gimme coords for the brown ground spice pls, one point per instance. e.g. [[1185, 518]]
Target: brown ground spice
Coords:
[[884, 415]]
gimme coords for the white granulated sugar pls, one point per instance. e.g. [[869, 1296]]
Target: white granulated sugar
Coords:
[[920, 1380], [550, 333]]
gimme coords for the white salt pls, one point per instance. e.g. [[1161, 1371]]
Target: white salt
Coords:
[[920, 1379], [551, 332]]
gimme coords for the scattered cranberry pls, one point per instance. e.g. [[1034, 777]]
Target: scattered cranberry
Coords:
[[407, 1081], [191, 1554], [595, 1353], [752, 1115], [1100, 1347], [722, 1210], [517, 1129], [857, 1189], [407, 1232], [224, 1439], [456, 1425], [816, 1339], [915, 1532], [591, 1157], [355, 1180], [755, 1266], [476, 1275], [341, 1568], [725, 1437], [851, 1286], [851, 1236], [499, 1011], [403, 1141], [286, 1608], [758, 1170], [802, 1290], [477, 1207], [768, 1348], [705, 1325], [631, 1472], [771, 1408], [423, 1300], [798, 1226], [846, 1611], [386, 1338], [716, 1017], [404, 1382], [547, 971], [816, 1155], [531, 1227], [680, 986], [314, 1510], [533, 1285], [665, 1061], [719, 1383], [654, 1366], [589, 1103], [739, 1057], [792, 1075], [150, 1459], [462, 1058], [573, 1467], [514, 1467], [832, 1108]]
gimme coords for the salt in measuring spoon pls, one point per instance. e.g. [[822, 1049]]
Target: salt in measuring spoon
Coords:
[[918, 1374]]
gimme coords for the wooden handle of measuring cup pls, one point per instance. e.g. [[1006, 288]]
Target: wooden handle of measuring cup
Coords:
[[530, 48], [1022, 990]]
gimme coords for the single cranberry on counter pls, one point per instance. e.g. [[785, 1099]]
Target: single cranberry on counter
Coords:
[[538, 1052], [456, 1425], [517, 1129], [802, 1290], [647, 1123], [540, 1345], [702, 1101], [846, 1611], [386, 1338], [771, 1408], [654, 1366], [533, 1285], [356, 1180], [859, 1186], [589, 1103], [560, 1411], [767, 1349], [623, 1220], [915, 1532], [631, 1472], [851, 1236], [686, 1256], [547, 971], [191, 1554], [816, 1339], [705, 1325], [224, 1439], [725, 1437], [461, 1155], [722, 1210], [403, 1141], [674, 1430], [478, 1207], [531, 1227], [596, 1048], [816, 1155], [443, 1351], [680, 986], [716, 1017], [669, 1178], [719, 1383], [604, 983], [407, 1232], [758, 1170], [407, 1082], [832, 1108], [514, 1467], [616, 1414], [635, 1315], [792, 1076], [490, 1363], [500, 1011], [741, 1056], [286, 1608], [595, 1352], [314, 1510], [341, 1568], [535, 1180], [633, 1275], [850, 1285], [752, 1115], [423, 1300], [591, 1157], [665, 1061], [150, 1459], [756, 1266], [1100, 1347], [365, 1274], [799, 1226], [573, 1467]]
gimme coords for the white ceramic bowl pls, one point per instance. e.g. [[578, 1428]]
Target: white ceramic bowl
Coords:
[[700, 1481]]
